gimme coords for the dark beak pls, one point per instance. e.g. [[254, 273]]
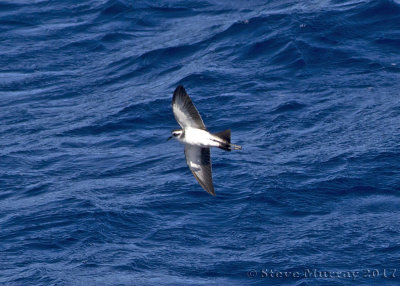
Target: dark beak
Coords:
[[169, 138]]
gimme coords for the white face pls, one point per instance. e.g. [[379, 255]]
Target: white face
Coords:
[[176, 133]]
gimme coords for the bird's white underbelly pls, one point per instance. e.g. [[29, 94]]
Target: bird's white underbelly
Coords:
[[200, 138]]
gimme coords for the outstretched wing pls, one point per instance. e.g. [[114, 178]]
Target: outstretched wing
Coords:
[[199, 162], [184, 110]]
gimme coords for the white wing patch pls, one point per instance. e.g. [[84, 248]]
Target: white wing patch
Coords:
[[181, 117], [194, 166]]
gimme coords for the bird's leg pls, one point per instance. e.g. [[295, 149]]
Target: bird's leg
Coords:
[[236, 147]]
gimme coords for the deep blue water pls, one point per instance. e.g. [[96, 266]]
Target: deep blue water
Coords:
[[91, 193]]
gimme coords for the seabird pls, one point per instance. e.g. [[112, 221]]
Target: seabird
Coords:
[[197, 139]]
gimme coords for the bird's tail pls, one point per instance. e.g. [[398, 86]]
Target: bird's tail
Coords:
[[225, 142]]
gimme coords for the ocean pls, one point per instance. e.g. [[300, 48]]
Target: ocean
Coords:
[[92, 193]]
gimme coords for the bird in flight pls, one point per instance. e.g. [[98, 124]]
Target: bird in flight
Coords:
[[197, 139]]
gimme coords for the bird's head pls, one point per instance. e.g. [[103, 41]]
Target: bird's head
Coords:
[[176, 134]]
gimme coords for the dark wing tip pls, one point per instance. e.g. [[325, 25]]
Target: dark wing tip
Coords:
[[179, 90], [179, 94], [208, 187]]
